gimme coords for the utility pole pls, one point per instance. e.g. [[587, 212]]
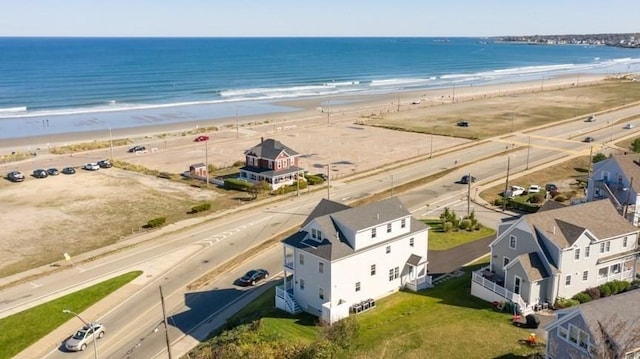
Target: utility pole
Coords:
[[469, 194], [328, 183], [626, 202], [237, 126], [431, 146], [506, 185], [206, 160], [590, 161], [111, 142], [166, 327]]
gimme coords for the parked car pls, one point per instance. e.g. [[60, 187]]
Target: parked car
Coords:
[[202, 138], [550, 187], [591, 118], [53, 171], [253, 276], [416, 102], [466, 179], [40, 173], [69, 170], [628, 126], [105, 164], [15, 176], [514, 191], [84, 336], [137, 148], [534, 188], [588, 139], [462, 123], [91, 167]]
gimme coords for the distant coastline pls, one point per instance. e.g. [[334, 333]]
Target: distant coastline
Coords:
[[630, 40]]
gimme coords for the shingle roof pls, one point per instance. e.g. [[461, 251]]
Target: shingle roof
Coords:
[[270, 149], [372, 214], [564, 225], [533, 267], [334, 244], [630, 166], [619, 316], [414, 260]]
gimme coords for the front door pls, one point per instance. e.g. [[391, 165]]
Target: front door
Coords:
[[516, 285]]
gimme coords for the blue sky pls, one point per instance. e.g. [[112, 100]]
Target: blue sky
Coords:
[[315, 18]]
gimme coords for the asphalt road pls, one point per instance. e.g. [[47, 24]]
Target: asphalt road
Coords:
[[175, 259]]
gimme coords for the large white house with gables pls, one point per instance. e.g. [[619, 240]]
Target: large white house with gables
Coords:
[[558, 252], [343, 259]]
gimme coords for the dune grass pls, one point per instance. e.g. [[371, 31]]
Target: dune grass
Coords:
[[19, 331]]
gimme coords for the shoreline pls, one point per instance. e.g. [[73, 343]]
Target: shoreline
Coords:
[[320, 109]]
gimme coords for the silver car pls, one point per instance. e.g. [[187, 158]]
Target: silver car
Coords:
[[84, 336]]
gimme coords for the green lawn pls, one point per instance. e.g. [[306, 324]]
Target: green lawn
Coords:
[[442, 322], [19, 331], [440, 240]]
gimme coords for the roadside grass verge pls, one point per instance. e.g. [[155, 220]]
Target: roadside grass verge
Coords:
[[88, 146], [19, 331], [441, 240], [445, 321], [14, 157]]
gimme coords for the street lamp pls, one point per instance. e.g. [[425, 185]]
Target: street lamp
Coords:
[[111, 142], [93, 331]]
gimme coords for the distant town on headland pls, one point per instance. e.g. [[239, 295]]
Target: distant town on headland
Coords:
[[617, 40]]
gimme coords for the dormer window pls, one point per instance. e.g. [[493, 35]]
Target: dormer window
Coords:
[[624, 241], [373, 233], [403, 223], [388, 227], [512, 242]]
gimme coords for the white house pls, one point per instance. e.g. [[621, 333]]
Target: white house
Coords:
[[343, 259], [618, 179], [558, 252]]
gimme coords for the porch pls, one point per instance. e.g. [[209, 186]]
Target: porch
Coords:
[[285, 299], [490, 290]]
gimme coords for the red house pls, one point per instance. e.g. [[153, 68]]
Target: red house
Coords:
[[272, 162]]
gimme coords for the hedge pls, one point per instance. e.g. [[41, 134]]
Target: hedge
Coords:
[[237, 184], [202, 207], [156, 222]]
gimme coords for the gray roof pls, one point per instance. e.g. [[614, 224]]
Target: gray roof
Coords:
[[270, 149], [564, 225], [414, 260], [630, 166], [533, 267], [197, 165], [371, 214], [334, 244], [619, 316]]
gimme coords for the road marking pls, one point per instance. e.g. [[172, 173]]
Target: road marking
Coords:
[[80, 269], [35, 285], [437, 208]]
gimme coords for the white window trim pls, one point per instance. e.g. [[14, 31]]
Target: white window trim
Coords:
[[515, 241], [576, 254]]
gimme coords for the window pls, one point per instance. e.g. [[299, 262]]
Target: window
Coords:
[[301, 284], [505, 261], [357, 286], [563, 333], [512, 242], [373, 233], [585, 276], [301, 258], [403, 223], [624, 241], [388, 227], [314, 233], [516, 284], [410, 242], [320, 293], [567, 281], [575, 336], [615, 269], [373, 269], [388, 249], [320, 267], [574, 332], [605, 247], [603, 272], [587, 251], [576, 254], [390, 274], [396, 272]]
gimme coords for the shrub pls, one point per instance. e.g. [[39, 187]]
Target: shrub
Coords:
[[565, 303], [313, 180], [202, 207], [237, 184], [560, 198], [498, 202], [582, 297], [594, 293], [238, 164], [156, 222], [635, 145], [466, 224], [343, 333], [605, 290], [537, 198], [447, 226], [601, 156]]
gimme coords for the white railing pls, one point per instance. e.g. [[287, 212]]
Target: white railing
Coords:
[[292, 305], [499, 290], [419, 284]]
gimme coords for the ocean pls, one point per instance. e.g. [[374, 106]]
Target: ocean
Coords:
[[59, 85]]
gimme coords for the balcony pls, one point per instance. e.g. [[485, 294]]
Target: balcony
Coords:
[[491, 290]]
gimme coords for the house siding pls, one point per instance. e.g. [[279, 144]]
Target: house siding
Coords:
[[557, 347], [525, 243], [308, 298], [363, 238]]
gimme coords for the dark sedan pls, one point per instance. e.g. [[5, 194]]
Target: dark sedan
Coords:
[[53, 172], [253, 276], [40, 173]]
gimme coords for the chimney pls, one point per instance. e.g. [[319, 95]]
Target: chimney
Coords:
[[378, 215], [554, 229], [261, 139]]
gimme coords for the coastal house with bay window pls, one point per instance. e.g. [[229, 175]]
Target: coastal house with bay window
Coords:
[[558, 252], [345, 258], [604, 328], [272, 162], [618, 180]]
